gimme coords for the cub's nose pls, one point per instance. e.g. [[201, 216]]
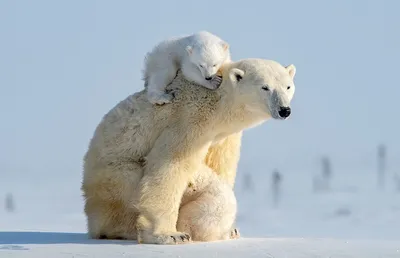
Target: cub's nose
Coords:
[[208, 78], [284, 112]]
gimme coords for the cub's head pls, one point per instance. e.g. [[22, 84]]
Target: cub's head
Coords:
[[264, 87], [208, 57]]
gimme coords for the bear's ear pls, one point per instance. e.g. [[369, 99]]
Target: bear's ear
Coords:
[[236, 74], [189, 50], [292, 70], [225, 46]]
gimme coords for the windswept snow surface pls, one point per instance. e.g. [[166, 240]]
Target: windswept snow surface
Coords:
[[60, 245], [352, 219]]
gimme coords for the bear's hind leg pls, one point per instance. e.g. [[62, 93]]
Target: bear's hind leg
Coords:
[[111, 221], [110, 201]]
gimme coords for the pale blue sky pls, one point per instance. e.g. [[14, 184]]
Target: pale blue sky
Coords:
[[63, 64]]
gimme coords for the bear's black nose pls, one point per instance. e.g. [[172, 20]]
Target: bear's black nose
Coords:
[[208, 78], [284, 112]]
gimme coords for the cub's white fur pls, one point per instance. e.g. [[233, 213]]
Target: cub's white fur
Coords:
[[208, 208], [199, 56]]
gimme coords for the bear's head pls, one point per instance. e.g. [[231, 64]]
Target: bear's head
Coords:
[[208, 57], [264, 87]]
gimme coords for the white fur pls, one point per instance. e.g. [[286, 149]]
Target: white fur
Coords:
[[208, 208], [125, 197], [199, 55]]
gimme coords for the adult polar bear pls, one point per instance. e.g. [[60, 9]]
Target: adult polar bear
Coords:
[[125, 198]]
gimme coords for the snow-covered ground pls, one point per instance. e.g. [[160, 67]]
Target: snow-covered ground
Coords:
[[62, 245], [353, 208], [353, 219]]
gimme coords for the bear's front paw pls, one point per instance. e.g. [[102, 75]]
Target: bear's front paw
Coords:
[[160, 98], [180, 237], [216, 82], [173, 238], [235, 234]]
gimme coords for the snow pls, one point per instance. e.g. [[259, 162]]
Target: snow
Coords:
[[351, 219], [353, 208], [36, 244]]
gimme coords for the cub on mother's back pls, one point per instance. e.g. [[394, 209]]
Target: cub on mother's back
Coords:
[[126, 199], [199, 56]]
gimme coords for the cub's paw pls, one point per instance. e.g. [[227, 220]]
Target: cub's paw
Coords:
[[160, 98], [142, 161], [173, 92], [215, 82], [235, 234]]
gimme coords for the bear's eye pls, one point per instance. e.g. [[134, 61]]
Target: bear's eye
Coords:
[[201, 66], [214, 65], [265, 88], [288, 87]]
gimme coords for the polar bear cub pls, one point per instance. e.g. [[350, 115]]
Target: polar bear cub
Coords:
[[199, 56], [208, 208]]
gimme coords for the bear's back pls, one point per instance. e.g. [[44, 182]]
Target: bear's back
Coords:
[[129, 130]]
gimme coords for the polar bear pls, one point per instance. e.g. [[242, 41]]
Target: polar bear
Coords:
[[208, 208], [199, 56], [127, 198]]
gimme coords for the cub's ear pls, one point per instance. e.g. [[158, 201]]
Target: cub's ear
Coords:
[[236, 74], [189, 50], [225, 46], [292, 70]]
